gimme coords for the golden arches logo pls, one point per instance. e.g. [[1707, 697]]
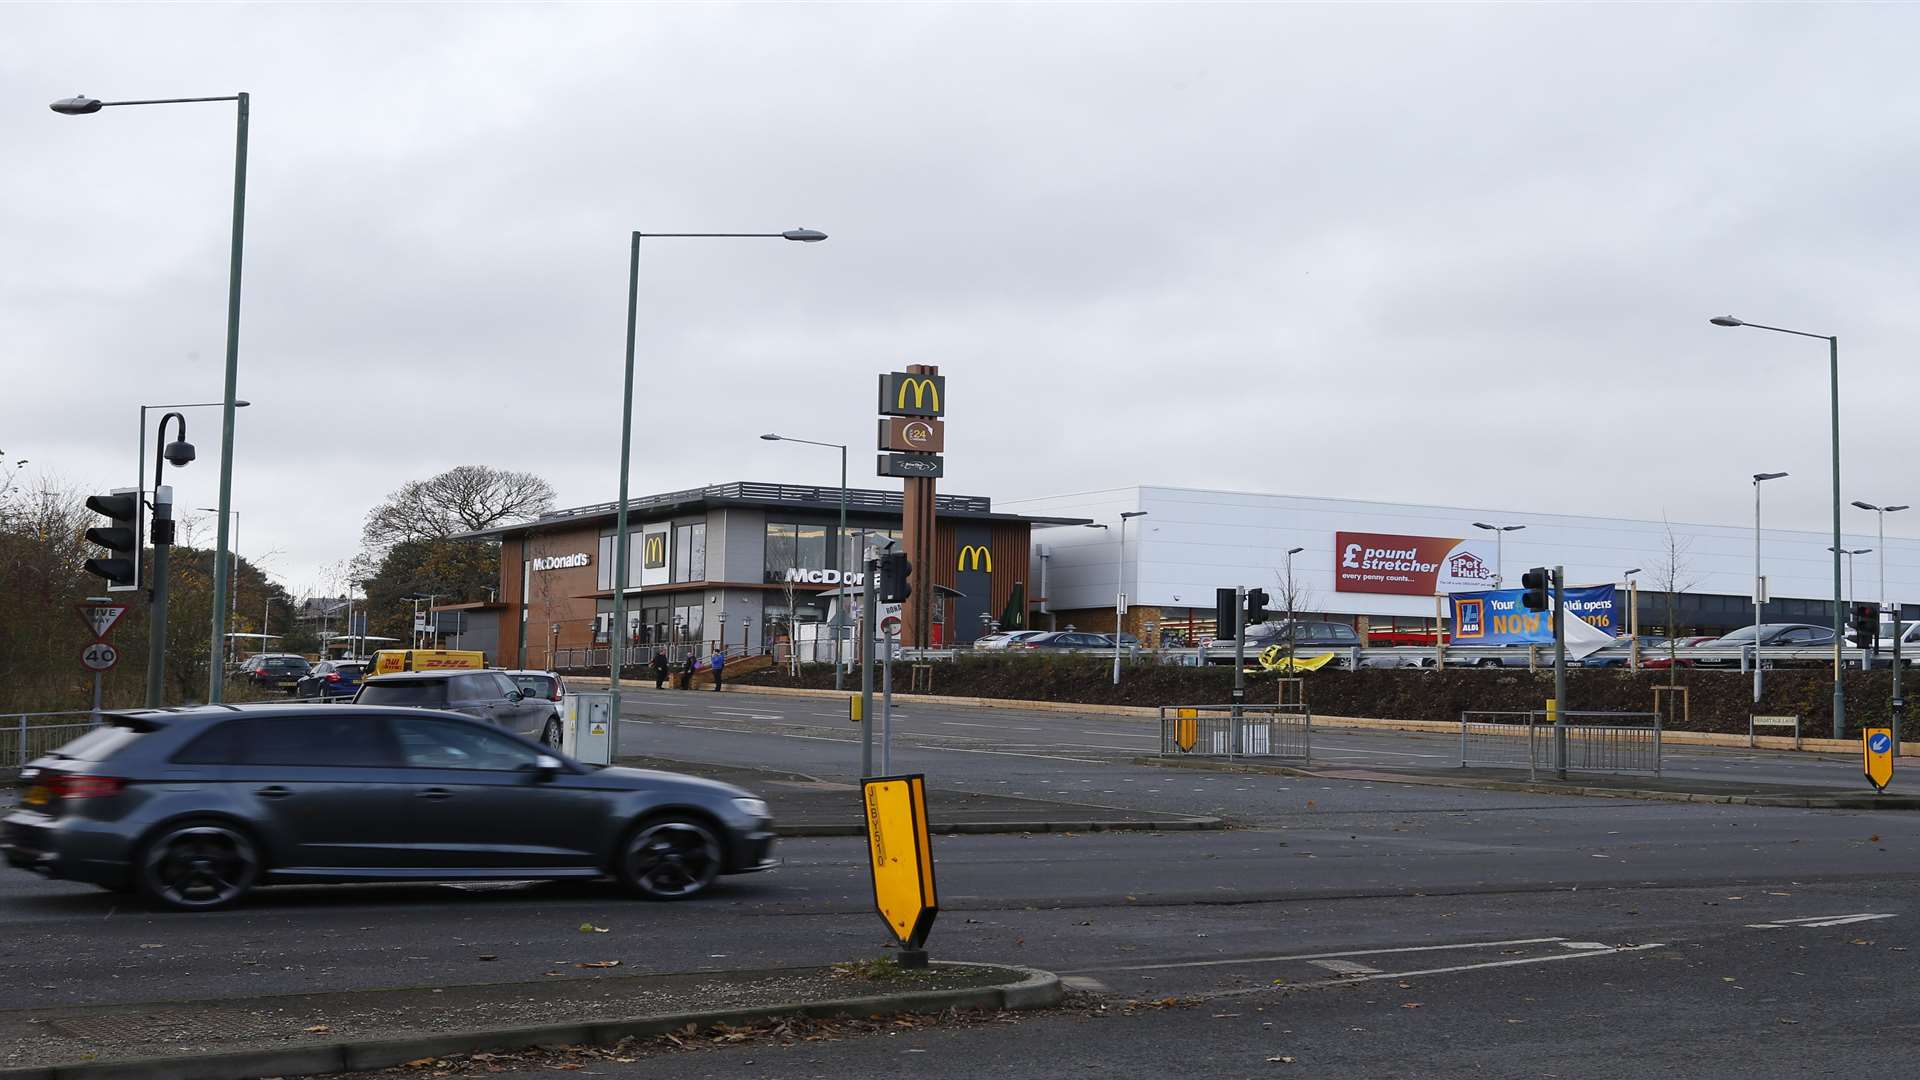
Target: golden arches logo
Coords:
[[978, 555], [923, 390], [656, 551]]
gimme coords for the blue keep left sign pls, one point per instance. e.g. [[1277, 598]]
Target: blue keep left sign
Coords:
[[1880, 743]]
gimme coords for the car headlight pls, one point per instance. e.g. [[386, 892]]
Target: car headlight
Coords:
[[753, 807]]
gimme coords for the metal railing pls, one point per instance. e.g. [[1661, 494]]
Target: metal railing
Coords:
[[25, 736], [1228, 731], [1611, 742]]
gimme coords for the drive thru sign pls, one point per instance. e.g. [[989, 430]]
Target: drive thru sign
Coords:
[[1877, 745], [901, 859]]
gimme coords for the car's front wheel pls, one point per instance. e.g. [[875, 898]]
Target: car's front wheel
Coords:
[[673, 857], [197, 866]]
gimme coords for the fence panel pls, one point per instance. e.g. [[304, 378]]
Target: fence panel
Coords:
[[26, 736], [1595, 741], [1264, 731]]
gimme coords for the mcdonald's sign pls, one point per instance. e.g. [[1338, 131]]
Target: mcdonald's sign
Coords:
[[903, 393], [655, 555], [978, 555]]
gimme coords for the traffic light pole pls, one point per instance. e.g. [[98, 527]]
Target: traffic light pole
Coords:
[[1899, 698], [1560, 671], [870, 613], [1239, 664], [157, 613]]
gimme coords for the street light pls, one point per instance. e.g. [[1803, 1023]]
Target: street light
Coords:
[[1119, 590], [1499, 554], [617, 654], [1882, 512], [840, 550], [81, 106], [142, 455], [233, 594], [1759, 581], [1850, 553], [1291, 552], [1839, 605]]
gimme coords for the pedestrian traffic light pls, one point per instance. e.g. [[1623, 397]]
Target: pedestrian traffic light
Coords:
[[121, 567], [1866, 626], [1536, 581], [1256, 606], [894, 569]]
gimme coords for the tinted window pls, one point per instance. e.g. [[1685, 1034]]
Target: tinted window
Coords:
[[419, 692], [502, 686], [437, 744], [219, 745], [351, 671], [1345, 633], [285, 663], [99, 744], [337, 741], [472, 688]]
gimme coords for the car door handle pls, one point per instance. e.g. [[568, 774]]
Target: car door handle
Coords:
[[274, 791], [433, 793]]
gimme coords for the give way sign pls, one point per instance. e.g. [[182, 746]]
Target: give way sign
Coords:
[[100, 618]]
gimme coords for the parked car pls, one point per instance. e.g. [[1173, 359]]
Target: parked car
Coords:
[[1769, 635], [484, 695], [193, 808], [1302, 634], [1620, 653], [1064, 639], [1673, 652], [1005, 639], [331, 679], [547, 685], [274, 671]]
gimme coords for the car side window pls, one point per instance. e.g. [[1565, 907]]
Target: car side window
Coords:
[[1346, 634], [437, 744], [323, 741], [219, 745], [471, 688], [504, 686]]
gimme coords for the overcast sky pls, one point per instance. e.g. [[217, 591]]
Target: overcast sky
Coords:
[[1447, 254]]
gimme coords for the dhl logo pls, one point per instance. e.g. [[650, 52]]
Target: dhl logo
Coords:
[[924, 391], [656, 553], [977, 555]]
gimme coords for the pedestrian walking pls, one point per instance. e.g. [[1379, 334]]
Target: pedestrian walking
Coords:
[[659, 669], [686, 673], [719, 664]]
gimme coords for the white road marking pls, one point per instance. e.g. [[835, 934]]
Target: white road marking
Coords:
[[1587, 945], [1549, 958], [927, 749], [1082, 982], [1318, 745], [990, 727], [1328, 955], [1345, 967], [1819, 920]]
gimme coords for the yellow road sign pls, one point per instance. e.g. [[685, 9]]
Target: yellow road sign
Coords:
[[1186, 728], [901, 856], [1876, 746], [853, 708]]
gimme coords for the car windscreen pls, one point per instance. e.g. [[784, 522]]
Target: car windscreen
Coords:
[[416, 692], [533, 685], [285, 663], [350, 671], [1745, 633], [99, 744]]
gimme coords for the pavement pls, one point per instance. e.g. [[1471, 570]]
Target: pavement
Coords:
[[1503, 933]]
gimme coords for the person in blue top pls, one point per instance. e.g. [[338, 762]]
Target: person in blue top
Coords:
[[719, 664]]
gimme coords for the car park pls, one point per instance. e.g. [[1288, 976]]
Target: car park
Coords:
[[1300, 634], [274, 671], [193, 808], [1620, 653], [331, 680], [1064, 639], [1005, 639], [487, 695], [1768, 635]]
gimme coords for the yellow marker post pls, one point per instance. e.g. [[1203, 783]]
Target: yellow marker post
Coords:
[[1876, 747], [1186, 729], [901, 858], [853, 708]]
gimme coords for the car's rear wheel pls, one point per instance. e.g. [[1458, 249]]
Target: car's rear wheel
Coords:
[[197, 866], [551, 736], [672, 857]]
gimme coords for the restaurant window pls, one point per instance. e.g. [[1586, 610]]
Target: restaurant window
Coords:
[[853, 545], [793, 546], [603, 563], [690, 552]]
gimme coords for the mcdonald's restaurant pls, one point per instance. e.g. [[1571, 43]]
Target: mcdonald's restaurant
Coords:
[[754, 566]]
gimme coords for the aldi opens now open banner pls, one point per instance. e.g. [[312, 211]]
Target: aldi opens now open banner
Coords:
[[1497, 617], [1411, 565]]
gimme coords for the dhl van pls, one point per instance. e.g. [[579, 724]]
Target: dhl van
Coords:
[[388, 661]]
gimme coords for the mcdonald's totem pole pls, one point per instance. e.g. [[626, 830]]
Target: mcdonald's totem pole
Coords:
[[912, 434]]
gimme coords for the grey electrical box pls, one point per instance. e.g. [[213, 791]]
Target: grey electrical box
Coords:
[[587, 733]]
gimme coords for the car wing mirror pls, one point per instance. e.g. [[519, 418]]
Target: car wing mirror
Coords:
[[546, 767]]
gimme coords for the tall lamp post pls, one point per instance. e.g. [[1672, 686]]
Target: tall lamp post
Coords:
[[617, 654], [1633, 619], [840, 552], [1850, 553], [1759, 581], [1120, 590], [81, 106], [233, 594], [1291, 552], [1839, 605], [1881, 512], [1499, 553]]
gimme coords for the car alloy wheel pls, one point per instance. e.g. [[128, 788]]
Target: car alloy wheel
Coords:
[[551, 736], [671, 859], [198, 866]]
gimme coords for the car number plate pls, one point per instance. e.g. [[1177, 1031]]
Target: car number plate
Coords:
[[36, 796]]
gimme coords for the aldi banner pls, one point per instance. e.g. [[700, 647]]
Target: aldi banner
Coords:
[[1411, 565], [1497, 617]]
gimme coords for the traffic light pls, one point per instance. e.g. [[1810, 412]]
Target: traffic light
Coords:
[[121, 567], [1537, 582], [894, 568], [1256, 606], [1226, 606], [1866, 626]]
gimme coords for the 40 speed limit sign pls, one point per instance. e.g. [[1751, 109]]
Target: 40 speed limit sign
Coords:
[[99, 656]]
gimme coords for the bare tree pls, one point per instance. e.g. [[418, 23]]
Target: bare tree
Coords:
[[1291, 597], [459, 500], [1672, 575]]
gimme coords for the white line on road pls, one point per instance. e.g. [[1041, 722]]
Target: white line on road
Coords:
[[1345, 967], [1327, 955], [1318, 745], [1819, 920], [926, 749]]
